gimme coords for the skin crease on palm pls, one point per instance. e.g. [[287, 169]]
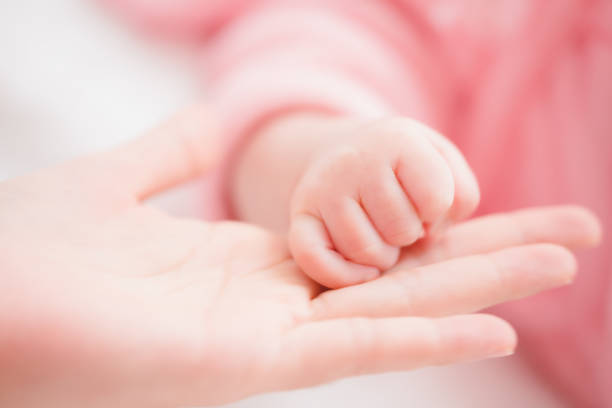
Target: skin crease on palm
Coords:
[[105, 301]]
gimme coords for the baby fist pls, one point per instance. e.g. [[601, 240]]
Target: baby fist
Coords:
[[372, 192]]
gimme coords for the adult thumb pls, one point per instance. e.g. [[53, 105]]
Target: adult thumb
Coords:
[[186, 146]]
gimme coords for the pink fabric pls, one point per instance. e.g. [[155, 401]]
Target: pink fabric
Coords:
[[524, 87]]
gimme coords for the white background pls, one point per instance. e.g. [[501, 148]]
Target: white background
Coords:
[[75, 79]]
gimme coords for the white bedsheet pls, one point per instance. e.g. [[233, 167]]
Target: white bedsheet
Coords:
[[73, 80]]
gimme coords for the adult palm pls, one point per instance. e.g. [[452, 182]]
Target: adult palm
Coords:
[[108, 302]]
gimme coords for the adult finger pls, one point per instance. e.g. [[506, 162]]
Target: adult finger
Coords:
[[320, 352], [182, 148], [461, 285], [569, 226]]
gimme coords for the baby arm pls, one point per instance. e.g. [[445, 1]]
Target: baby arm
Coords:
[[349, 192]]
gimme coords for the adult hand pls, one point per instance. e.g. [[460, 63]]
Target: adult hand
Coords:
[[105, 301]]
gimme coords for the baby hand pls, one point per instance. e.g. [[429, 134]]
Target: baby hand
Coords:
[[372, 192]]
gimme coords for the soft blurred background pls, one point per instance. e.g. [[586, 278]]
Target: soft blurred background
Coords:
[[74, 79]]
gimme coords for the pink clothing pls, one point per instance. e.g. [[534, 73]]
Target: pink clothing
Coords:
[[524, 87]]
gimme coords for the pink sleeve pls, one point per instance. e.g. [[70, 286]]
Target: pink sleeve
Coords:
[[332, 56]]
